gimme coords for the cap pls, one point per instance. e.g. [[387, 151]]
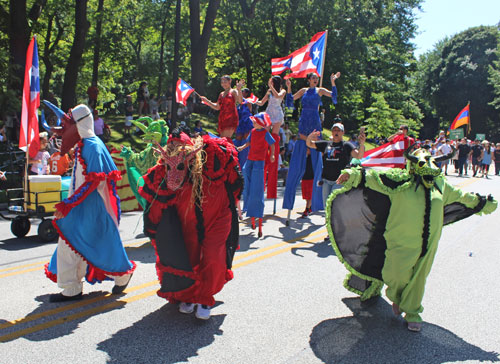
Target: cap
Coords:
[[338, 125], [262, 118]]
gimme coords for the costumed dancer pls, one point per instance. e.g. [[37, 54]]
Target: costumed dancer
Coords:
[[308, 122], [274, 98], [385, 227], [226, 104], [253, 171], [191, 218], [87, 221], [244, 126]]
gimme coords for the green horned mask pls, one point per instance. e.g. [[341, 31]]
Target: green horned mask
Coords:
[[424, 166], [155, 131]]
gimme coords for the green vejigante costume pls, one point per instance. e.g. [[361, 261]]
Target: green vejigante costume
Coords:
[[138, 163], [385, 227]]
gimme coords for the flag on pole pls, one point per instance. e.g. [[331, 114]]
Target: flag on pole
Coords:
[[28, 134], [388, 155], [307, 59], [183, 90], [463, 118], [252, 99]]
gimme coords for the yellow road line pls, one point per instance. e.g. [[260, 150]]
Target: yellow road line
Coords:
[[114, 304], [61, 320], [260, 250], [82, 303], [22, 266], [284, 250], [20, 272]]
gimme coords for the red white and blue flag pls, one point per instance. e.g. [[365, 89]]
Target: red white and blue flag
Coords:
[[390, 155], [183, 91], [28, 134], [307, 59], [252, 99]]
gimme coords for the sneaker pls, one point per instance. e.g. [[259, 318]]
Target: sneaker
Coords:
[[414, 326], [185, 307], [203, 312]]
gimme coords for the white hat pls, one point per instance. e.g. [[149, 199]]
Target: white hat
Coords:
[[338, 125], [84, 120]]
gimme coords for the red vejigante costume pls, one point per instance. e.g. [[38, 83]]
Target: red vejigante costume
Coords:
[[192, 222]]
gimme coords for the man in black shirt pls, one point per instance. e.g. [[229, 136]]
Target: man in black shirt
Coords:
[[463, 154], [337, 155], [477, 157]]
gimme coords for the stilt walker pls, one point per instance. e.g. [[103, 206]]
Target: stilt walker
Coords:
[[253, 172]]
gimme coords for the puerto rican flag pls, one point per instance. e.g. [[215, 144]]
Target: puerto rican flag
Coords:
[[388, 155], [28, 134], [182, 92], [252, 99], [307, 59]]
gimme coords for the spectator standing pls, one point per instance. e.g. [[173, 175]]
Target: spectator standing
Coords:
[[487, 157], [443, 150], [98, 125], [337, 119], [496, 158], [129, 112], [463, 154], [142, 95], [291, 146], [477, 159], [92, 93], [153, 105], [169, 97], [403, 130], [288, 134], [197, 127]]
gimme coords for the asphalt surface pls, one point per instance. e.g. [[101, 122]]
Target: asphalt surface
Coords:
[[286, 303]]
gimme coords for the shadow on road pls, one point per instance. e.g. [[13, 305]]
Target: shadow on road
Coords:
[[163, 336], [374, 335], [322, 249], [28, 242]]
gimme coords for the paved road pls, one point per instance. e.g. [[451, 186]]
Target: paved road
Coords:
[[286, 304]]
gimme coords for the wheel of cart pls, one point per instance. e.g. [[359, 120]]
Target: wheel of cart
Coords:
[[46, 230], [36, 202], [20, 226]]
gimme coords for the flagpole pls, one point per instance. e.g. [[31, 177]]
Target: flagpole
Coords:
[[468, 125], [323, 61]]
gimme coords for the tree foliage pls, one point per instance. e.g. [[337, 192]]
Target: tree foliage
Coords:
[[369, 42]]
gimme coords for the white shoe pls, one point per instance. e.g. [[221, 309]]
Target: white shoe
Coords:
[[186, 307], [203, 312]]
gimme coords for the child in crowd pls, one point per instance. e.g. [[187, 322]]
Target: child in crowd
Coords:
[[39, 164], [129, 112]]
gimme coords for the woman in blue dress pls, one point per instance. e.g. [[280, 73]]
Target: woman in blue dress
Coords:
[[309, 121]]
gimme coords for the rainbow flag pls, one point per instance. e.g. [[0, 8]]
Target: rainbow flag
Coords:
[[463, 118]]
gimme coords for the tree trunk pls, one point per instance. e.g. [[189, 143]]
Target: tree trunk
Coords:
[[162, 47], [175, 66], [290, 25], [199, 41], [75, 56], [19, 33], [49, 51], [97, 43]]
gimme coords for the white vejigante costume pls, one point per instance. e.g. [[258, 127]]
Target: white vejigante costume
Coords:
[[89, 245]]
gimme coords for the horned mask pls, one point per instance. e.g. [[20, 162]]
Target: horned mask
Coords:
[[424, 166]]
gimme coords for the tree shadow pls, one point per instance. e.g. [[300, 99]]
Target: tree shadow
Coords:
[[374, 335], [163, 336], [322, 249]]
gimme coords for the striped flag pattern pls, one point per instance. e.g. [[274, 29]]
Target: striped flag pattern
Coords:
[[388, 155]]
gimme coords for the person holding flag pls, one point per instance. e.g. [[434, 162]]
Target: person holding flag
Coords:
[[226, 105], [309, 121], [245, 124]]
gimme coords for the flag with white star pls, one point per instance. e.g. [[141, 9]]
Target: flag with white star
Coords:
[[305, 60], [28, 134], [183, 91]]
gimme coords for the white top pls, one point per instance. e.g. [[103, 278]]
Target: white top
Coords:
[[275, 110]]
